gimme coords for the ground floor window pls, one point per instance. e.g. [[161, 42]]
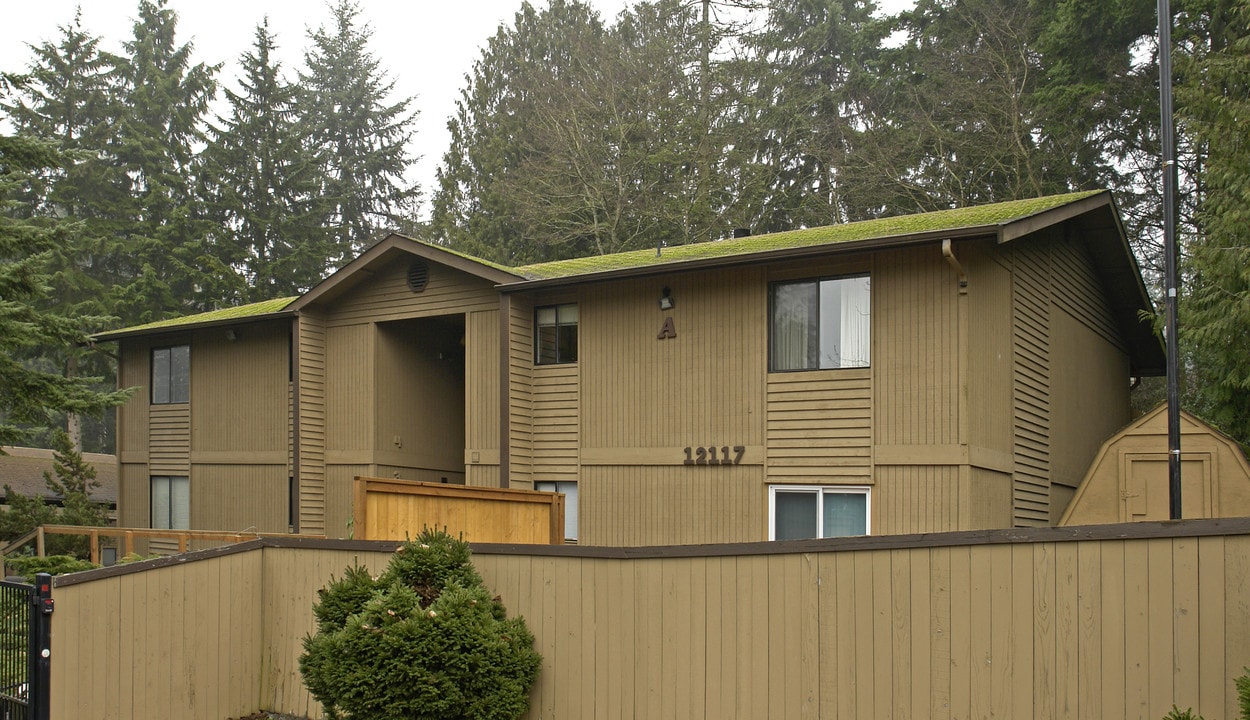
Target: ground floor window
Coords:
[[797, 512], [570, 504], [171, 502]]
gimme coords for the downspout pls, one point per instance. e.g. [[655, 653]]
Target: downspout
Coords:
[[949, 253]]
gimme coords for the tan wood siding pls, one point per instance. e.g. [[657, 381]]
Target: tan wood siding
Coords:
[[520, 392], [1107, 628], [702, 388], [659, 505], [481, 397], [134, 500], [350, 388], [170, 452], [1079, 291], [820, 426], [556, 438], [134, 371], [1031, 386], [239, 497], [916, 498], [239, 390], [339, 496], [915, 352], [990, 350], [386, 295], [312, 423]]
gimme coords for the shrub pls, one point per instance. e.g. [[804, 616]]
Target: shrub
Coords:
[[423, 641], [29, 566]]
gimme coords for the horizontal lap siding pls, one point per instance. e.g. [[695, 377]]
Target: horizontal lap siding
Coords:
[[312, 423], [520, 392], [1078, 290], [1031, 382], [820, 426], [555, 417], [170, 432]]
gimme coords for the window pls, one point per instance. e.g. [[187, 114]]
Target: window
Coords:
[[555, 334], [171, 502], [820, 324], [798, 512], [570, 504], [171, 374]]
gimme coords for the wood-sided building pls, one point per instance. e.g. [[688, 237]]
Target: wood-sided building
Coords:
[[943, 371]]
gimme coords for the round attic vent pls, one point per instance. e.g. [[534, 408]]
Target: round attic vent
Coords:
[[418, 275]]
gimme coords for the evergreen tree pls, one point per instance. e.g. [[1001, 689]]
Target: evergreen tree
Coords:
[[172, 267], [262, 178], [30, 396], [362, 139]]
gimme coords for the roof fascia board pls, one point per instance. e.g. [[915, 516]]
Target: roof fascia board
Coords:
[[841, 248], [189, 327], [1024, 226], [407, 245]]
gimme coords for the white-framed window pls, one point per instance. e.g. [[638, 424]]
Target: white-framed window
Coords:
[[171, 374], [171, 502], [570, 503], [799, 512], [555, 334], [820, 324]]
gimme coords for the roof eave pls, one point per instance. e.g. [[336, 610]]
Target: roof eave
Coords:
[[794, 253], [115, 335]]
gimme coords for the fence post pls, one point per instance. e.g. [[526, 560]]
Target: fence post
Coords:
[[39, 546], [39, 654]]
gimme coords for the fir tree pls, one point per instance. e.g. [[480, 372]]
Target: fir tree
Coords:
[[361, 136], [262, 178]]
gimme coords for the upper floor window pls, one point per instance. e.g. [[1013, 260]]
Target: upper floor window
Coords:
[[555, 334], [799, 512], [171, 374], [820, 324]]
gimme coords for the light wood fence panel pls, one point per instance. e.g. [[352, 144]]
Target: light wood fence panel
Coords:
[[1098, 622]]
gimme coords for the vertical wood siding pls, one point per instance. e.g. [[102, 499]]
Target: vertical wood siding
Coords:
[[820, 426], [915, 353], [350, 388], [132, 417], [916, 499], [1092, 629], [312, 423], [1031, 386], [481, 398], [256, 497], [239, 392], [658, 505]]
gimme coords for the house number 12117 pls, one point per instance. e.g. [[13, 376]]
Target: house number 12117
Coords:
[[709, 455]]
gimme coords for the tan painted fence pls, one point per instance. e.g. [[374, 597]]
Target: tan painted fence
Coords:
[[1115, 621], [400, 509]]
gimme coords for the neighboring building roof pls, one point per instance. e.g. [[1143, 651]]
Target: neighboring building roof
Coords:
[[1094, 211], [22, 469]]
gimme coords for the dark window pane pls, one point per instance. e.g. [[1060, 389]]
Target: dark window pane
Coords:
[[160, 376], [566, 342], [795, 517], [845, 514], [547, 345], [180, 374]]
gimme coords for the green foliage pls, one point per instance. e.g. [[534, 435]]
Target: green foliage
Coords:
[[28, 567], [73, 482], [424, 641], [1242, 684]]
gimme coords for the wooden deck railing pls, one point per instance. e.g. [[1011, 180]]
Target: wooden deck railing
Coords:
[[127, 536]]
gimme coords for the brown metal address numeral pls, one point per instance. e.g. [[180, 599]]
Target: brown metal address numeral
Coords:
[[707, 455]]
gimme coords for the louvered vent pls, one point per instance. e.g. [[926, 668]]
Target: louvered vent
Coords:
[[418, 275]]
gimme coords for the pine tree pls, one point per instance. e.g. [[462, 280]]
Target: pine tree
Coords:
[[262, 178], [361, 137]]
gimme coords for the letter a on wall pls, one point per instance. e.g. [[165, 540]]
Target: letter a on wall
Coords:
[[667, 330]]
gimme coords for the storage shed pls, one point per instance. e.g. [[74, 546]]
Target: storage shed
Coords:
[[1128, 480]]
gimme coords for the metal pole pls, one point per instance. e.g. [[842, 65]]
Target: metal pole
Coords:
[[1167, 129]]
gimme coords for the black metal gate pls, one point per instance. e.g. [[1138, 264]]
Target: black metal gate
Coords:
[[25, 648]]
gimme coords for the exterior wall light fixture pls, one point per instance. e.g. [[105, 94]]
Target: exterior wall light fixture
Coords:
[[666, 299]]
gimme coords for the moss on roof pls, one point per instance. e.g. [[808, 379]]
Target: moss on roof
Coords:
[[942, 220], [239, 312]]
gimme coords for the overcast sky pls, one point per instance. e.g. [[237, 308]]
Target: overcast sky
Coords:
[[426, 46]]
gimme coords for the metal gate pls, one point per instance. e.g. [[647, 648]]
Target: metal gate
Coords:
[[25, 648]]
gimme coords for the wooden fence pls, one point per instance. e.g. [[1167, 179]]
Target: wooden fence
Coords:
[[400, 509], [1119, 621]]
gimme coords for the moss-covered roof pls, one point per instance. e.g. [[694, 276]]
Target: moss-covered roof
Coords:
[[939, 221], [239, 312]]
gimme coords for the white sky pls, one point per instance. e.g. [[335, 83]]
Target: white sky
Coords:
[[426, 46]]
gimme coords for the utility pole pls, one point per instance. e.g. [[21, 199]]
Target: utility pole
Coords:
[[1167, 131]]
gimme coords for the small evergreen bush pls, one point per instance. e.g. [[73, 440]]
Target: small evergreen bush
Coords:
[[29, 566], [423, 641]]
